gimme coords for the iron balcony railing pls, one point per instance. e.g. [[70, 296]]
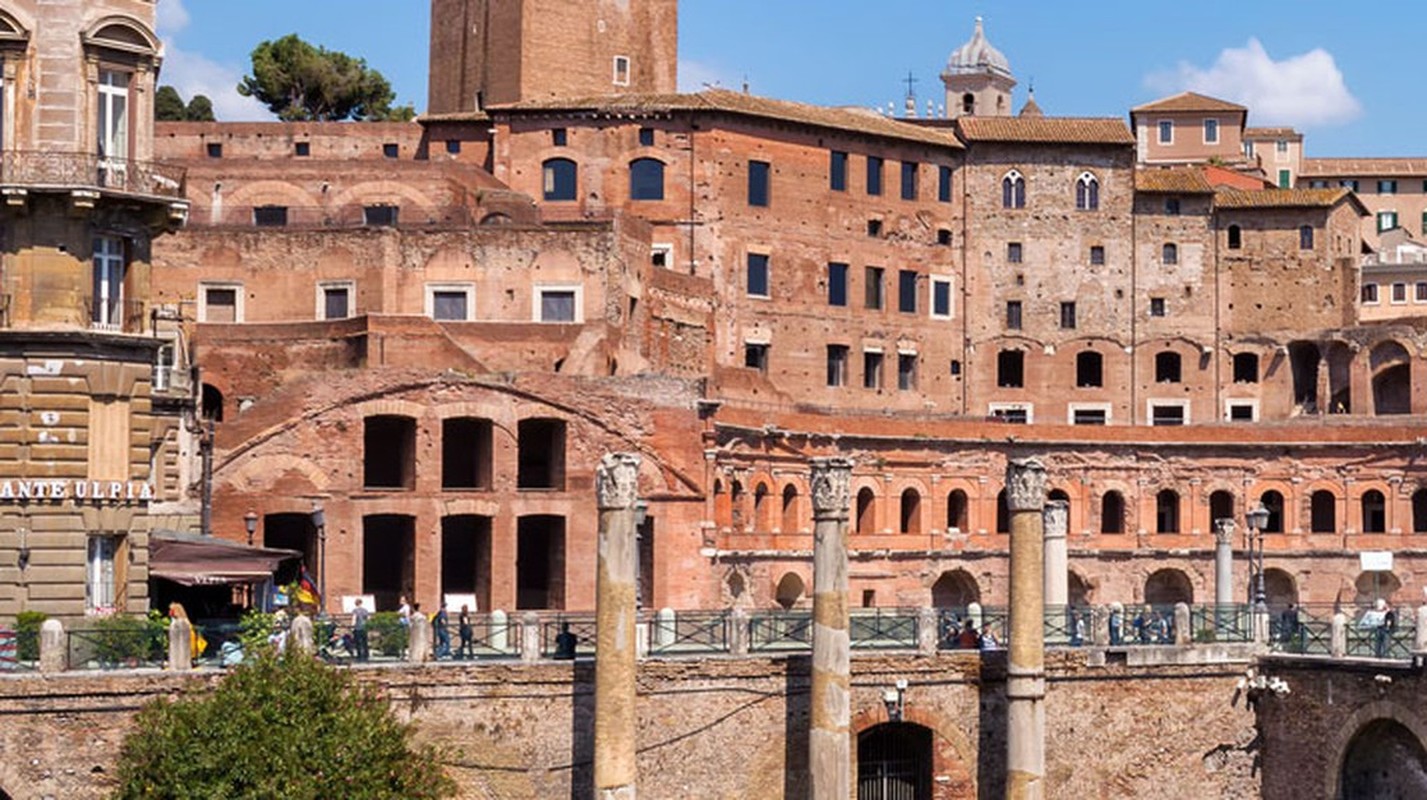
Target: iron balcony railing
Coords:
[[688, 632], [52, 169]]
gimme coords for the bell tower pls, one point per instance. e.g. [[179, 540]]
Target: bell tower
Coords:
[[978, 79]]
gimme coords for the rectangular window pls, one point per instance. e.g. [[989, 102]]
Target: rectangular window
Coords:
[[1421, 292], [270, 216], [1318, 184], [1399, 293], [1349, 184], [1166, 132], [107, 312], [1013, 315], [451, 302], [1013, 253], [872, 369], [100, 584], [873, 290], [1281, 146], [1067, 315], [220, 303], [1424, 222], [558, 303], [758, 183], [1387, 187], [1369, 293], [380, 216], [941, 298], [1386, 220], [621, 70], [1211, 131], [113, 109], [1157, 307], [304, 149], [1012, 413], [755, 356], [874, 175], [1089, 416], [907, 291], [215, 149], [662, 255], [837, 171], [909, 180], [391, 150], [906, 371], [757, 274], [334, 300], [943, 184], [837, 365], [453, 147], [646, 137], [1171, 206], [1285, 179], [1240, 411], [559, 137], [836, 284], [1097, 255], [1166, 414]]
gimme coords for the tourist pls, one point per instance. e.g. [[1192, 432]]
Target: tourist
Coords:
[[403, 612], [968, 639], [1289, 628], [1117, 620], [565, 643], [464, 629], [439, 625], [360, 615]]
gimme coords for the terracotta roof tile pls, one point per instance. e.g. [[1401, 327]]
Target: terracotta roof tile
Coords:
[[1355, 167], [1273, 133], [1282, 198], [1178, 180], [1046, 130], [455, 116], [1189, 101], [726, 101]]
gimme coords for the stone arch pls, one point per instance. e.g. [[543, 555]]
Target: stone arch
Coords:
[[1373, 585], [955, 588], [1323, 511], [1221, 505], [381, 192], [270, 192], [1167, 511], [790, 589], [865, 513], [791, 516], [1168, 586], [1372, 510], [1340, 378], [1112, 512], [118, 32], [1391, 378], [1304, 358], [951, 750], [894, 759], [265, 471], [957, 510], [15, 25], [1280, 588], [1272, 500], [762, 507], [1384, 722], [910, 511]]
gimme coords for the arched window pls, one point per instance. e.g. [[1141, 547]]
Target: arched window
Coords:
[[558, 177], [212, 403], [1166, 511], [1166, 367], [1089, 369], [1323, 510], [1221, 506], [790, 589], [1169, 254], [956, 510], [1003, 513], [762, 508], [1305, 237], [1374, 512], [791, 519], [1168, 586], [1112, 512], [968, 103], [1236, 237], [1013, 190], [723, 506], [735, 503], [1419, 511], [911, 511], [866, 511], [1273, 501], [1087, 192], [646, 179]]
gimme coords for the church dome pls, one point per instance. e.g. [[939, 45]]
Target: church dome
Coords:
[[978, 56]]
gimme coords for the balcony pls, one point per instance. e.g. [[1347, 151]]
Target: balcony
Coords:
[[25, 170], [42, 308]]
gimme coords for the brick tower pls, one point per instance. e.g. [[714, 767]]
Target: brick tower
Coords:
[[978, 79], [489, 52]]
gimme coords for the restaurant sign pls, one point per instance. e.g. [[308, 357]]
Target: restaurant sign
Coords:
[[80, 491]]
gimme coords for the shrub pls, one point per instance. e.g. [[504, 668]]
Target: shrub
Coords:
[[280, 726], [123, 639], [27, 634], [387, 635], [255, 632]]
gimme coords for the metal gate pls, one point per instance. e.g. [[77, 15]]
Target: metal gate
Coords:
[[894, 762]]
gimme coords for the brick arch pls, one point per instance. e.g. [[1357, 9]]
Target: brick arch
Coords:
[[1354, 514], [266, 470], [262, 193], [1340, 740], [951, 751], [381, 192], [1292, 516]]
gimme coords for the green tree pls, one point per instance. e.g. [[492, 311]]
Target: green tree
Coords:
[[299, 81], [168, 105], [287, 727], [200, 109]]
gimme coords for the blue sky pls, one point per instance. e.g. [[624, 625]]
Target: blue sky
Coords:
[[1346, 80]]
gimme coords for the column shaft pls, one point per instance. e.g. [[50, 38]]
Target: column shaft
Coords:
[[1057, 557], [617, 487], [1025, 680], [829, 740]]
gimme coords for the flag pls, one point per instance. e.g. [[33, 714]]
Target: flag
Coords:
[[306, 593]]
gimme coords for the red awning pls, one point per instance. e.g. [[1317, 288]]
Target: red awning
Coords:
[[191, 560]]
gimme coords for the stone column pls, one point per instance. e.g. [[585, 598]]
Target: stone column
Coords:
[[54, 646], [1057, 561], [616, 487], [1025, 675], [1224, 562], [300, 636], [829, 739]]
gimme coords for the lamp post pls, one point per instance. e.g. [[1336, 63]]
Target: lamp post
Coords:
[[250, 521], [1258, 520], [319, 523]]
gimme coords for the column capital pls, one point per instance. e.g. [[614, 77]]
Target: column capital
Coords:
[[831, 486], [1224, 528], [617, 481], [1056, 519], [1025, 484]]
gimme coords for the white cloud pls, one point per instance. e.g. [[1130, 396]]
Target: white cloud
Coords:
[[193, 73], [1302, 90]]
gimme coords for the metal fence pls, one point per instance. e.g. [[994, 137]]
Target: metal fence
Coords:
[[118, 643], [46, 168], [689, 632], [884, 628], [581, 626], [780, 631], [1216, 623]]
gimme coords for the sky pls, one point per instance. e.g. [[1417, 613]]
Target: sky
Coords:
[[1346, 80]]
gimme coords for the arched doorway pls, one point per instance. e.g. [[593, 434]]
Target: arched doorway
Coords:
[[1392, 379], [956, 510], [1372, 585], [1112, 512], [894, 762], [790, 590], [911, 521], [1279, 588], [866, 511], [1383, 760], [1167, 587], [955, 589]]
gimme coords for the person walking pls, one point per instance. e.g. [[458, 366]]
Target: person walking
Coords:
[[464, 629], [360, 615], [439, 624]]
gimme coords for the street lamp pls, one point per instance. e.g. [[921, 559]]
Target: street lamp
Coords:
[[1258, 520], [250, 521], [319, 523]]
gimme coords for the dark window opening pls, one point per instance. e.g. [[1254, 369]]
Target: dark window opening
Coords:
[[1167, 415], [380, 216], [1089, 369], [1273, 501], [646, 137], [1241, 412], [336, 302], [1167, 368], [866, 511], [1013, 252], [1112, 513], [758, 172], [466, 453], [874, 175], [1013, 191], [270, 216], [1246, 368], [540, 562], [1003, 513], [466, 560], [837, 365], [646, 179], [1323, 508], [1171, 206], [1010, 369], [956, 508], [874, 227], [391, 150], [1097, 255], [542, 454], [1089, 416], [1419, 511], [212, 403], [755, 356], [1374, 507], [909, 180], [906, 371], [837, 171], [1013, 315], [1067, 315], [1305, 237], [559, 137], [873, 289], [302, 149], [215, 150], [758, 274], [1157, 307], [836, 284], [907, 291], [1169, 254], [558, 177], [1166, 511], [388, 559], [291, 532], [911, 517], [1236, 237], [453, 147], [389, 452], [1221, 506], [943, 184], [943, 237], [871, 369]]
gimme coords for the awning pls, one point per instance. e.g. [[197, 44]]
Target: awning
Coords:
[[192, 560]]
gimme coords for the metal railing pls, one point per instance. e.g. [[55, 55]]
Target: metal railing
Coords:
[[689, 632], [1214, 623], [884, 628], [73, 308], [780, 631], [582, 626], [43, 168], [118, 643]]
